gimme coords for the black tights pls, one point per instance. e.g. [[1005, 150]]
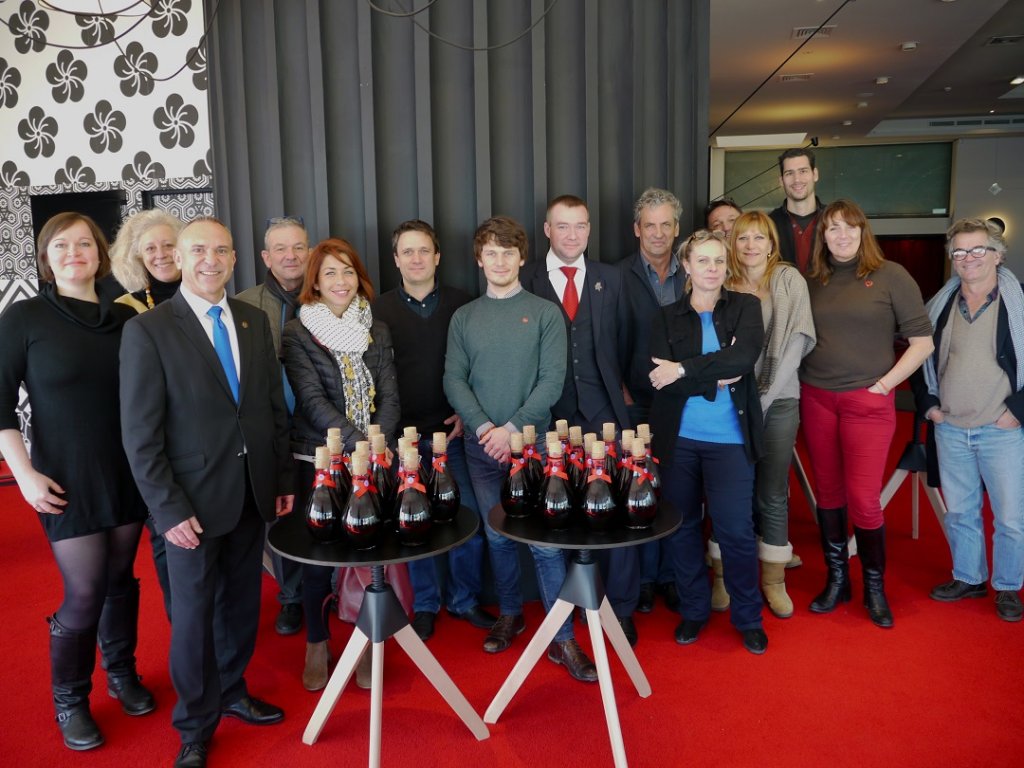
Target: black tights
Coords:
[[93, 567]]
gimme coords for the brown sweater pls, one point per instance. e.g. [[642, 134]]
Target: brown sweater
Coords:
[[856, 319]]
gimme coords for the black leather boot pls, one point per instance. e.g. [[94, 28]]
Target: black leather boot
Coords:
[[832, 523], [72, 660], [118, 635], [871, 549]]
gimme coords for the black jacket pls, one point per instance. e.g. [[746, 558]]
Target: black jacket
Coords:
[[787, 247], [676, 335], [319, 389]]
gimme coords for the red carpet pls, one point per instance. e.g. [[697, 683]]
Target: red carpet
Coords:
[[945, 687]]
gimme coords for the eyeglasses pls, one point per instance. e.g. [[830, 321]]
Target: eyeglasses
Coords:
[[977, 252]]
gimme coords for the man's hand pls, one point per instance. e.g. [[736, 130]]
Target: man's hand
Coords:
[[936, 416], [283, 505], [185, 534], [1007, 420], [456, 423], [496, 444]]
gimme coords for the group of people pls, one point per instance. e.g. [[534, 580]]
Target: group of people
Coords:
[[176, 407]]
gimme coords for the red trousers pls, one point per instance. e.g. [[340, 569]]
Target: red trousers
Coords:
[[848, 436]]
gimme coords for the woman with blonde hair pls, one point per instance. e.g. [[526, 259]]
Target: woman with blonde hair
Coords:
[[142, 258], [756, 267]]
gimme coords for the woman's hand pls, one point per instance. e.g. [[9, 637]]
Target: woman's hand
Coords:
[[666, 372], [40, 491], [723, 383]]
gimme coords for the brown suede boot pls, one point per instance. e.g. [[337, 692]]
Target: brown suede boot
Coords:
[[773, 577], [719, 596], [364, 669], [317, 669]]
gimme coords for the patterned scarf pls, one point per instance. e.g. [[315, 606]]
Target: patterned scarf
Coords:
[[1010, 294], [347, 337]]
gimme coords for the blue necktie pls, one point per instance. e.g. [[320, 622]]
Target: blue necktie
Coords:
[[222, 345]]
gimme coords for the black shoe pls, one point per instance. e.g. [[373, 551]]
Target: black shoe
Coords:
[[78, 729], [671, 596], [476, 616], [955, 590], [135, 698], [1008, 606], [251, 710], [423, 624], [289, 620], [192, 755], [504, 630], [576, 662], [755, 640], [628, 629], [645, 604], [687, 631]]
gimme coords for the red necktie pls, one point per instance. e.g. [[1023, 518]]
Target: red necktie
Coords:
[[570, 299]]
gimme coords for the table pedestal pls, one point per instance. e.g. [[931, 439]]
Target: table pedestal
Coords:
[[380, 617], [582, 587]]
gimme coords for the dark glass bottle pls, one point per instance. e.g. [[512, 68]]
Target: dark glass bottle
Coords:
[[534, 462], [364, 524], [383, 476], [517, 494], [611, 449], [599, 505], [445, 498], [641, 498], [643, 431], [340, 473], [576, 461], [413, 505], [624, 468], [323, 516], [556, 497]]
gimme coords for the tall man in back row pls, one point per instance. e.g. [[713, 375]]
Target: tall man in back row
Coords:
[[205, 429], [597, 329], [797, 218], [504, 369]]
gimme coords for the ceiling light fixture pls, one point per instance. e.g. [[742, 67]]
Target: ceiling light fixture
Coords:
[[882, 80], [1018, 80], [910, 45], [847, 123]]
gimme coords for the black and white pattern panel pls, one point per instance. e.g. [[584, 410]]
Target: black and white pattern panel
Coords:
[[111, 97]]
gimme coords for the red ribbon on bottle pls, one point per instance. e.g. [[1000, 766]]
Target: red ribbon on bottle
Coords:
[[577, 460], [517, 467], [530, 452], [598, 474], [440, 462], [382, 459], [411, 480], [323, 477], [644, 474], [555, 470], [360, 486]]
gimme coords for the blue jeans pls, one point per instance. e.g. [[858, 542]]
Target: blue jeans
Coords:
[[995, 457], [487, 476], [725, 475], [465, 562]]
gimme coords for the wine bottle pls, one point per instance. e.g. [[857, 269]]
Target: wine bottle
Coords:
[[517, 495], [445, 498], [340, 473], [611, 448], [624, 469], [641, 498], [413, 504], [556, 496], [323, 516], [599, 506], [364, 524], [534, 463], [383, 478], [576, 461], [643, 431]]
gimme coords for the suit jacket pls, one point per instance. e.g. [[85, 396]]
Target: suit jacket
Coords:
[[610, 321], [189, 444], [787, 246]]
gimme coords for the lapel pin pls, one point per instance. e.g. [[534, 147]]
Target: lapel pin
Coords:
[[598, 287], [868, 283], [245, 323]]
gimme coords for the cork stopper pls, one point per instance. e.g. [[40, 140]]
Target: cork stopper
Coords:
[[549, 436], [575, 436], [362, 448], [333, 432], [323, 457], [562, 428], [405, 444], [440, 442], [628, 436], [373, 429], [411, 432], [608, 432], [644, 431], [360, 464], [639, 449], [588, 441], [411, 460], [529, 434], [597, 450], [555, 448], [378, 443], [515, 441], [334, 445]]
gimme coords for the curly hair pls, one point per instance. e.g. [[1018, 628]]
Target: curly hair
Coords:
[[126, 258]]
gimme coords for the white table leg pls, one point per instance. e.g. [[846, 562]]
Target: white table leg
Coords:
[[416, 650], [342, 672], [892, 486], [621, 646], [376, 701], [538, 645], [937, 504], [604, 679]]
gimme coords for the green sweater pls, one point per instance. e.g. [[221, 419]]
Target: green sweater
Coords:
[[505, 361]]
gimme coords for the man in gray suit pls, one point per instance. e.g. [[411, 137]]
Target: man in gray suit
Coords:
[[204, 425]]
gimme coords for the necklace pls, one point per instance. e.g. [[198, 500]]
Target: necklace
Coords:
[[149, 299]]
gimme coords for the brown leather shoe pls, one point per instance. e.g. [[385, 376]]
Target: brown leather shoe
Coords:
[[577, 664], [317, 669], [502, 633]]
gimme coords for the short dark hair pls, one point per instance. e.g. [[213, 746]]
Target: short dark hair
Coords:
[[721, 202], [797, 152], [414, 225], [344, 252], [57, 224], [569, 201], [505, 231]]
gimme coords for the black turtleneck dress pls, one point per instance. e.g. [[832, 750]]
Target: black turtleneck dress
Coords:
[[66, 353]]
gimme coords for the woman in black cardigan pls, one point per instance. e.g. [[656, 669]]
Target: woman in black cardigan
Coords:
[[706, 418], [341, 367]]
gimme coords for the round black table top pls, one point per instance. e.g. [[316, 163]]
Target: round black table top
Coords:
[[290, 538], [532, 530]]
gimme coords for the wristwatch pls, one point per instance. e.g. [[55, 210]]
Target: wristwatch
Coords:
[[681, 371]]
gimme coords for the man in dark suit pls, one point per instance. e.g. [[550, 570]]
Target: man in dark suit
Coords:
[[205, 430], [594, 311], [797, 218]]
